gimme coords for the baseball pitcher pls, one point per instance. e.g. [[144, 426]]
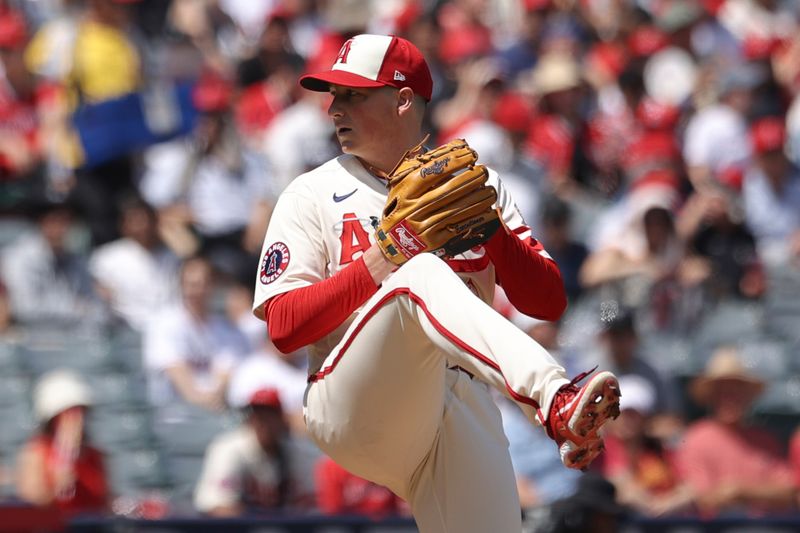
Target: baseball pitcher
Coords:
[[383, 261]]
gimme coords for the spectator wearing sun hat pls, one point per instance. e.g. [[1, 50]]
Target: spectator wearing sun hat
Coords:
[[556, 80], [771, 193], [732, 466], [58, 466]]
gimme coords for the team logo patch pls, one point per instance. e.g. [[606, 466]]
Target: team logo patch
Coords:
[[275, 261]]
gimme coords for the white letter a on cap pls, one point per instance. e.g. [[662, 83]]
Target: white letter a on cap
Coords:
[[398, 76]]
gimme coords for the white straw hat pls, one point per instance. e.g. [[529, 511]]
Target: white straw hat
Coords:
[[556, 72], [725, 366], [57, 391]]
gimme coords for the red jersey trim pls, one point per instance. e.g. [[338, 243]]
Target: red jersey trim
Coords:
[[400, 291]]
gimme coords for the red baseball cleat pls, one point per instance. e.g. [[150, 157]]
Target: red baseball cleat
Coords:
[[578, 413]]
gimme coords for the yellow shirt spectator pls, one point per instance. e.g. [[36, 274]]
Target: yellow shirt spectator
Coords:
[[104, 62], [94, 61]]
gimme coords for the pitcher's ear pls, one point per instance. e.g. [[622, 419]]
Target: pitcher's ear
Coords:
[[405, 97]]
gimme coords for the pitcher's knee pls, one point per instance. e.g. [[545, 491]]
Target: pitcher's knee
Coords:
[[422, 272], [426, 263]]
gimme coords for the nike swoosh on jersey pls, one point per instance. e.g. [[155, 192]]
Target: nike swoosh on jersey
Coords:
[[343, 197]]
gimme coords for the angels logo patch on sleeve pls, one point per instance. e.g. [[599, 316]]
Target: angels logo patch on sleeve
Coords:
[[275, 261]]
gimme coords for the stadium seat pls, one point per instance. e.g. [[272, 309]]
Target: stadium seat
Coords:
[[136, 470], [781, 396], [729, 322], [782, 303], [126, 348], [117, 388], [766, 357], [10, 359], [669, 354], [183, 471], [121, 428], [183, 429], [46, 348], [18, 426], [14, 389]]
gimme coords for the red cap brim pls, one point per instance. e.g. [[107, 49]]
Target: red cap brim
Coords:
[[321, 81]]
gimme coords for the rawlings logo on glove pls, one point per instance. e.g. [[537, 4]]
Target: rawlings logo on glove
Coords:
[[436, 168], [438, 202]]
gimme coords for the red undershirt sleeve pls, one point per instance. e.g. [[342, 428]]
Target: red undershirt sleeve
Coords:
[[531, 281], [305, 315]]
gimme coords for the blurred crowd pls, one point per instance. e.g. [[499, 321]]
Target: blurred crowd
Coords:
[[652, 145]]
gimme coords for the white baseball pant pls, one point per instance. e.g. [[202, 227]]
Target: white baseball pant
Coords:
[[386, 407]]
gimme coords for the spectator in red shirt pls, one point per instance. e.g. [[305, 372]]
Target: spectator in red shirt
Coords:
[[733, 467], [57, 466], [17, 114], [340, 492], [24, 103]]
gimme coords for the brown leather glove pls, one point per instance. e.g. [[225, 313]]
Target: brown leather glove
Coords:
[[438, 202]]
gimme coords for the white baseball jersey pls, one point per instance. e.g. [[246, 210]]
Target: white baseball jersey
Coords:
[[322, 223]]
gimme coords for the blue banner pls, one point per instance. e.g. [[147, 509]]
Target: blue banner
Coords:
[[113, 128]]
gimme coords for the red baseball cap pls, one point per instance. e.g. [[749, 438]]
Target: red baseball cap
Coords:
[[646, 41], [462, 43], [375, 61], [768, 135], [513, 111], [611, 58], [732, 177], [212, 93], [265, 397]]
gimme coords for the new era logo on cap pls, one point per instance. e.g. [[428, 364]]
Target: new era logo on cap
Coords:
[[375, 61]]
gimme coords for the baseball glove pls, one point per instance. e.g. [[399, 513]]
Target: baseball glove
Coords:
[[438, 202]]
